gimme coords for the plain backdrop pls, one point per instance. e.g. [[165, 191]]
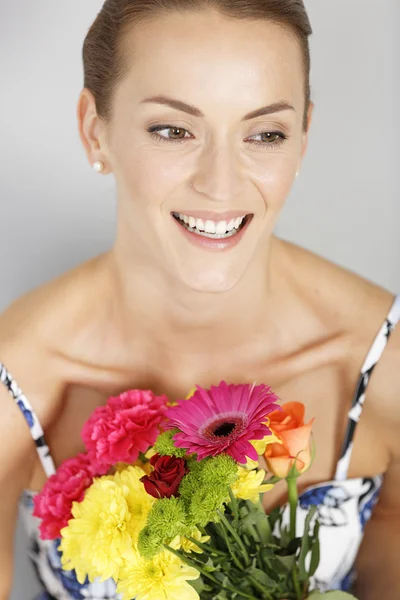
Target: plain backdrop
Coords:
[[56, 212]]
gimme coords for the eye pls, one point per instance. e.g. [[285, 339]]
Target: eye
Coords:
[[270, 138], [176, 133]]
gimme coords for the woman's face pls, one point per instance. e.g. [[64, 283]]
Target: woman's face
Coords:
[[196, 150]]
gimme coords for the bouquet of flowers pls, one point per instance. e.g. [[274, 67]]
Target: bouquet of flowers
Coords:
[[166, 500]]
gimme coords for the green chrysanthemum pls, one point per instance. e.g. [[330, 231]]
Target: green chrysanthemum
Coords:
[[149, 543], [166, 520], [206, 488], [208, 473], [165, 446], [213, 470], [204, 504], [167, 517]]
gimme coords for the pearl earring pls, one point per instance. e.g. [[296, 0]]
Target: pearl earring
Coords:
[[98, 166]]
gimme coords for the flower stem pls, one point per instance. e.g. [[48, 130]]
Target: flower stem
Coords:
[[233, 555], [234, 508], [299, 594], [293, 500], [206, 548], [262, 523], [254, 533], [235, 536]]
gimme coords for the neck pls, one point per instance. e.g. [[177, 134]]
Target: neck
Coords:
[[150, 308]]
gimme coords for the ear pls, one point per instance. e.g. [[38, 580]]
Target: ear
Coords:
[[92, 130], [310, 113]]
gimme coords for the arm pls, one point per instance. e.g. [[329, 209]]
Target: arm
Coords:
[[25, 329], [378, 561], [16, 461]]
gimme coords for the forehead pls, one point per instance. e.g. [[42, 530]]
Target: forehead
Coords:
[[217, 57]]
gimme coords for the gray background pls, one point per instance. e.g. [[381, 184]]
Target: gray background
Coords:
[[57, 212]]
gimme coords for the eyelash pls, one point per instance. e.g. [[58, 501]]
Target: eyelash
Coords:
[[153, 132]]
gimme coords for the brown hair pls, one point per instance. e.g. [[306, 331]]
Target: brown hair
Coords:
[[105, 57]]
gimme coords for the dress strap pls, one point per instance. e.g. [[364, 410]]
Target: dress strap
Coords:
[[370, 363], [30, 417]]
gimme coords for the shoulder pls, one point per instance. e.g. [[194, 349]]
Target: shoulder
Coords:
[[342, 297], [37, 330]]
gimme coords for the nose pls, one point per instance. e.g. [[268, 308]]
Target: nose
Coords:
[[219, 174]]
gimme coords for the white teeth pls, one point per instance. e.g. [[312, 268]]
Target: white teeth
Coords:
[[210, 227], [199, 224], [220, 227]]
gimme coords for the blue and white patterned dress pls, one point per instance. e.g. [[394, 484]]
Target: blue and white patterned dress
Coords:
[[344, 505]]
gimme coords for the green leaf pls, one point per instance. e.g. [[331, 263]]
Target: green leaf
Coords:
[[315, 551], [274, 516], [286, 561], [306, 544], [260, 521], [261, 577]]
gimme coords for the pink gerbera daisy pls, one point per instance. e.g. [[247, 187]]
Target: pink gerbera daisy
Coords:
[[224, 418]]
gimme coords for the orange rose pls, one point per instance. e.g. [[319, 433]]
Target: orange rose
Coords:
[[295, 437]]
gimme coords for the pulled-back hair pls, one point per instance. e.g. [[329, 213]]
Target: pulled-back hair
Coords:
[[105, 55]]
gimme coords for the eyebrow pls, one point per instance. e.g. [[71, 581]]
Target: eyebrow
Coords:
[[196, 112]]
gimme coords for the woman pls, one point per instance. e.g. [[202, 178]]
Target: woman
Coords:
[[201, 111]]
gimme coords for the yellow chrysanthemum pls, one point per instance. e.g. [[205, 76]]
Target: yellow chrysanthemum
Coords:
[[182, 542], [249, 484], [97, 540], [73, 557], [260, 445], [138, 500], [100, 538], [164, 577], [251, 464]]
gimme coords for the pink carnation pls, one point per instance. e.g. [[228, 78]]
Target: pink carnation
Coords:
[[127, 425], [54, 503]]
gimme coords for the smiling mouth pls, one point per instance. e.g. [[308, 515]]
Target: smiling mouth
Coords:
[[212, 229]]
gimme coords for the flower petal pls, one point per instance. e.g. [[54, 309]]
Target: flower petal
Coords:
[[297, 442]]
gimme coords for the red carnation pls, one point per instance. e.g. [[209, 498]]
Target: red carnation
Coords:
[[54, 503], [168, 473], [127, 425]]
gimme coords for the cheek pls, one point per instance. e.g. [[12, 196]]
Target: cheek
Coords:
[[151, 175], [274, 180]]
